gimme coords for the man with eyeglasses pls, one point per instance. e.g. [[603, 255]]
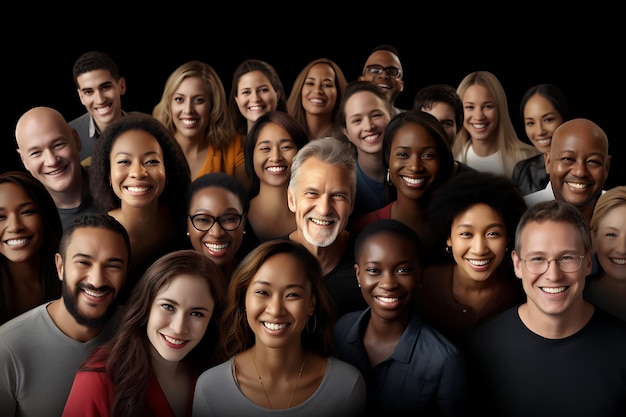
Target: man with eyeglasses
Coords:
[[555, 354], [384, 69]]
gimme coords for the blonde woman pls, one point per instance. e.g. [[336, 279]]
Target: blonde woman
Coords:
[[193, 107], [487, 141]]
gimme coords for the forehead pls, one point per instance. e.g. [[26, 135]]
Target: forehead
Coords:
[[551, 236], [321, 70], [317, 173], [282, 269], [477, 92], [215, 198], [272, 131], [580, 138], [97, 242], [253, 78], [136, 140], [383, 58], [92, 79], [388, 244], [413, 135], [12, 194]]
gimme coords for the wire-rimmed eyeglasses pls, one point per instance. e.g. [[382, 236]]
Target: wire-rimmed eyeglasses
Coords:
[[204, 222], [378, 69], [539, 265]]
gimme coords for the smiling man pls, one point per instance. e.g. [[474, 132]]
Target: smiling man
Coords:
[[49, 149], [100, 89], [321, 195], [578, 166], [41, 350], [556, 353]]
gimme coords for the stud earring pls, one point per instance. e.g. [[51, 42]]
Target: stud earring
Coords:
[[448, 249]]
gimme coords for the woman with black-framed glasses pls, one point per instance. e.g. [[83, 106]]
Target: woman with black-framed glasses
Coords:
[[217, 208]]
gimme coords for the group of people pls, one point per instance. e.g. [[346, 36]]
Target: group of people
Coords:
[[322, 252]]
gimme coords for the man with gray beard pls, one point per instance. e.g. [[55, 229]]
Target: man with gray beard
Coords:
[[321, 195]]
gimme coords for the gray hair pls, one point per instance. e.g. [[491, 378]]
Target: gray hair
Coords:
[[329, 150]]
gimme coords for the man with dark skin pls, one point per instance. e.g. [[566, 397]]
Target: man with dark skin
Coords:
[[578, 165]]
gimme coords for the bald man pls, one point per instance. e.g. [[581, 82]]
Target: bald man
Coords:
[[50, 150], [578, 166]]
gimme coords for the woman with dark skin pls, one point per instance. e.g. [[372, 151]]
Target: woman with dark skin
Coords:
[[139, 175], [30, 231]]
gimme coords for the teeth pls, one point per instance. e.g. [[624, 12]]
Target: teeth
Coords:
[[577, 185], [543, 141], [189, 122], [414, 181], [317, 101], [276, 169], [479, 125], [371, 138], [618, 261], [137, 189], [93, 293], [321, 222], [388, 299], [551, 290], [16, 242], [103, 110], [174, 341], [56, 172], [274, 326], [255, 108], [479, 262], [217, 246]]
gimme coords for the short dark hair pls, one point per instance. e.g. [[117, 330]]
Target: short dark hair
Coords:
[[95, 60], [392, 226], [386, 47], [102, 221], [440, 93], [221, 180]]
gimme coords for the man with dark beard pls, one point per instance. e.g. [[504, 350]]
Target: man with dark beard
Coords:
[[41, 350]]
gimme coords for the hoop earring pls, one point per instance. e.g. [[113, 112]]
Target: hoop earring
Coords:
[[388, 177], [448, 249], [308, 323]]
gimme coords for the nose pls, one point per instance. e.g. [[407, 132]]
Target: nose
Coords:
[[275, 305], [179, 323], [415, 163], [479, 245], [324, 204], [553, 270], [579, 168], [97, 277], [50, 157], [138, 170], [14, 223], [275, 154], [388, 281], [369, 123]]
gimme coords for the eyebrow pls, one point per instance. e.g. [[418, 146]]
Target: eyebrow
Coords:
[[174, 302], [85, 255], [261, 282]]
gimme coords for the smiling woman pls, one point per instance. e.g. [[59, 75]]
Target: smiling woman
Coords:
[[167, 337], [139, 175], [30, 231]]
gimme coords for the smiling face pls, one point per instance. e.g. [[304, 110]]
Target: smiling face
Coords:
[[319, 92], [190, 108], [255, 96], [101, 95], [273, 154], [49, 149], [478, 238], [179, 316], [321, 201], [414, 163], [21, 225], [137, 168], [217, 244], [610, 242], [391, 86], [553, 293], [446, 116], [93, 270], [367, 116], [480, 114], [278, 301], [578, 163], [388, 273], [541, 119]]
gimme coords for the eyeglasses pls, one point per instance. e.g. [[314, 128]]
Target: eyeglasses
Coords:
[[377, 70], [567, 263], [204, 222]]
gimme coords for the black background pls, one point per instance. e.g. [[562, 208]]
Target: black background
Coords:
[[584, 60]]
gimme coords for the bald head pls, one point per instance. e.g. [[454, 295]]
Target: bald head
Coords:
[[49, 149], [578, 163]]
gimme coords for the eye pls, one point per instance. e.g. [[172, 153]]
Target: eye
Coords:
[[372, 270], [536, 259], [167, 307], [196, 314]]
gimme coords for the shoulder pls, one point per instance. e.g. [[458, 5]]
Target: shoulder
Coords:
[[81, 121]]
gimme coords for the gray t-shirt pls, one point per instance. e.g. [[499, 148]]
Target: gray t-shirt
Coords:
[[38, 363], [341, 393]]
